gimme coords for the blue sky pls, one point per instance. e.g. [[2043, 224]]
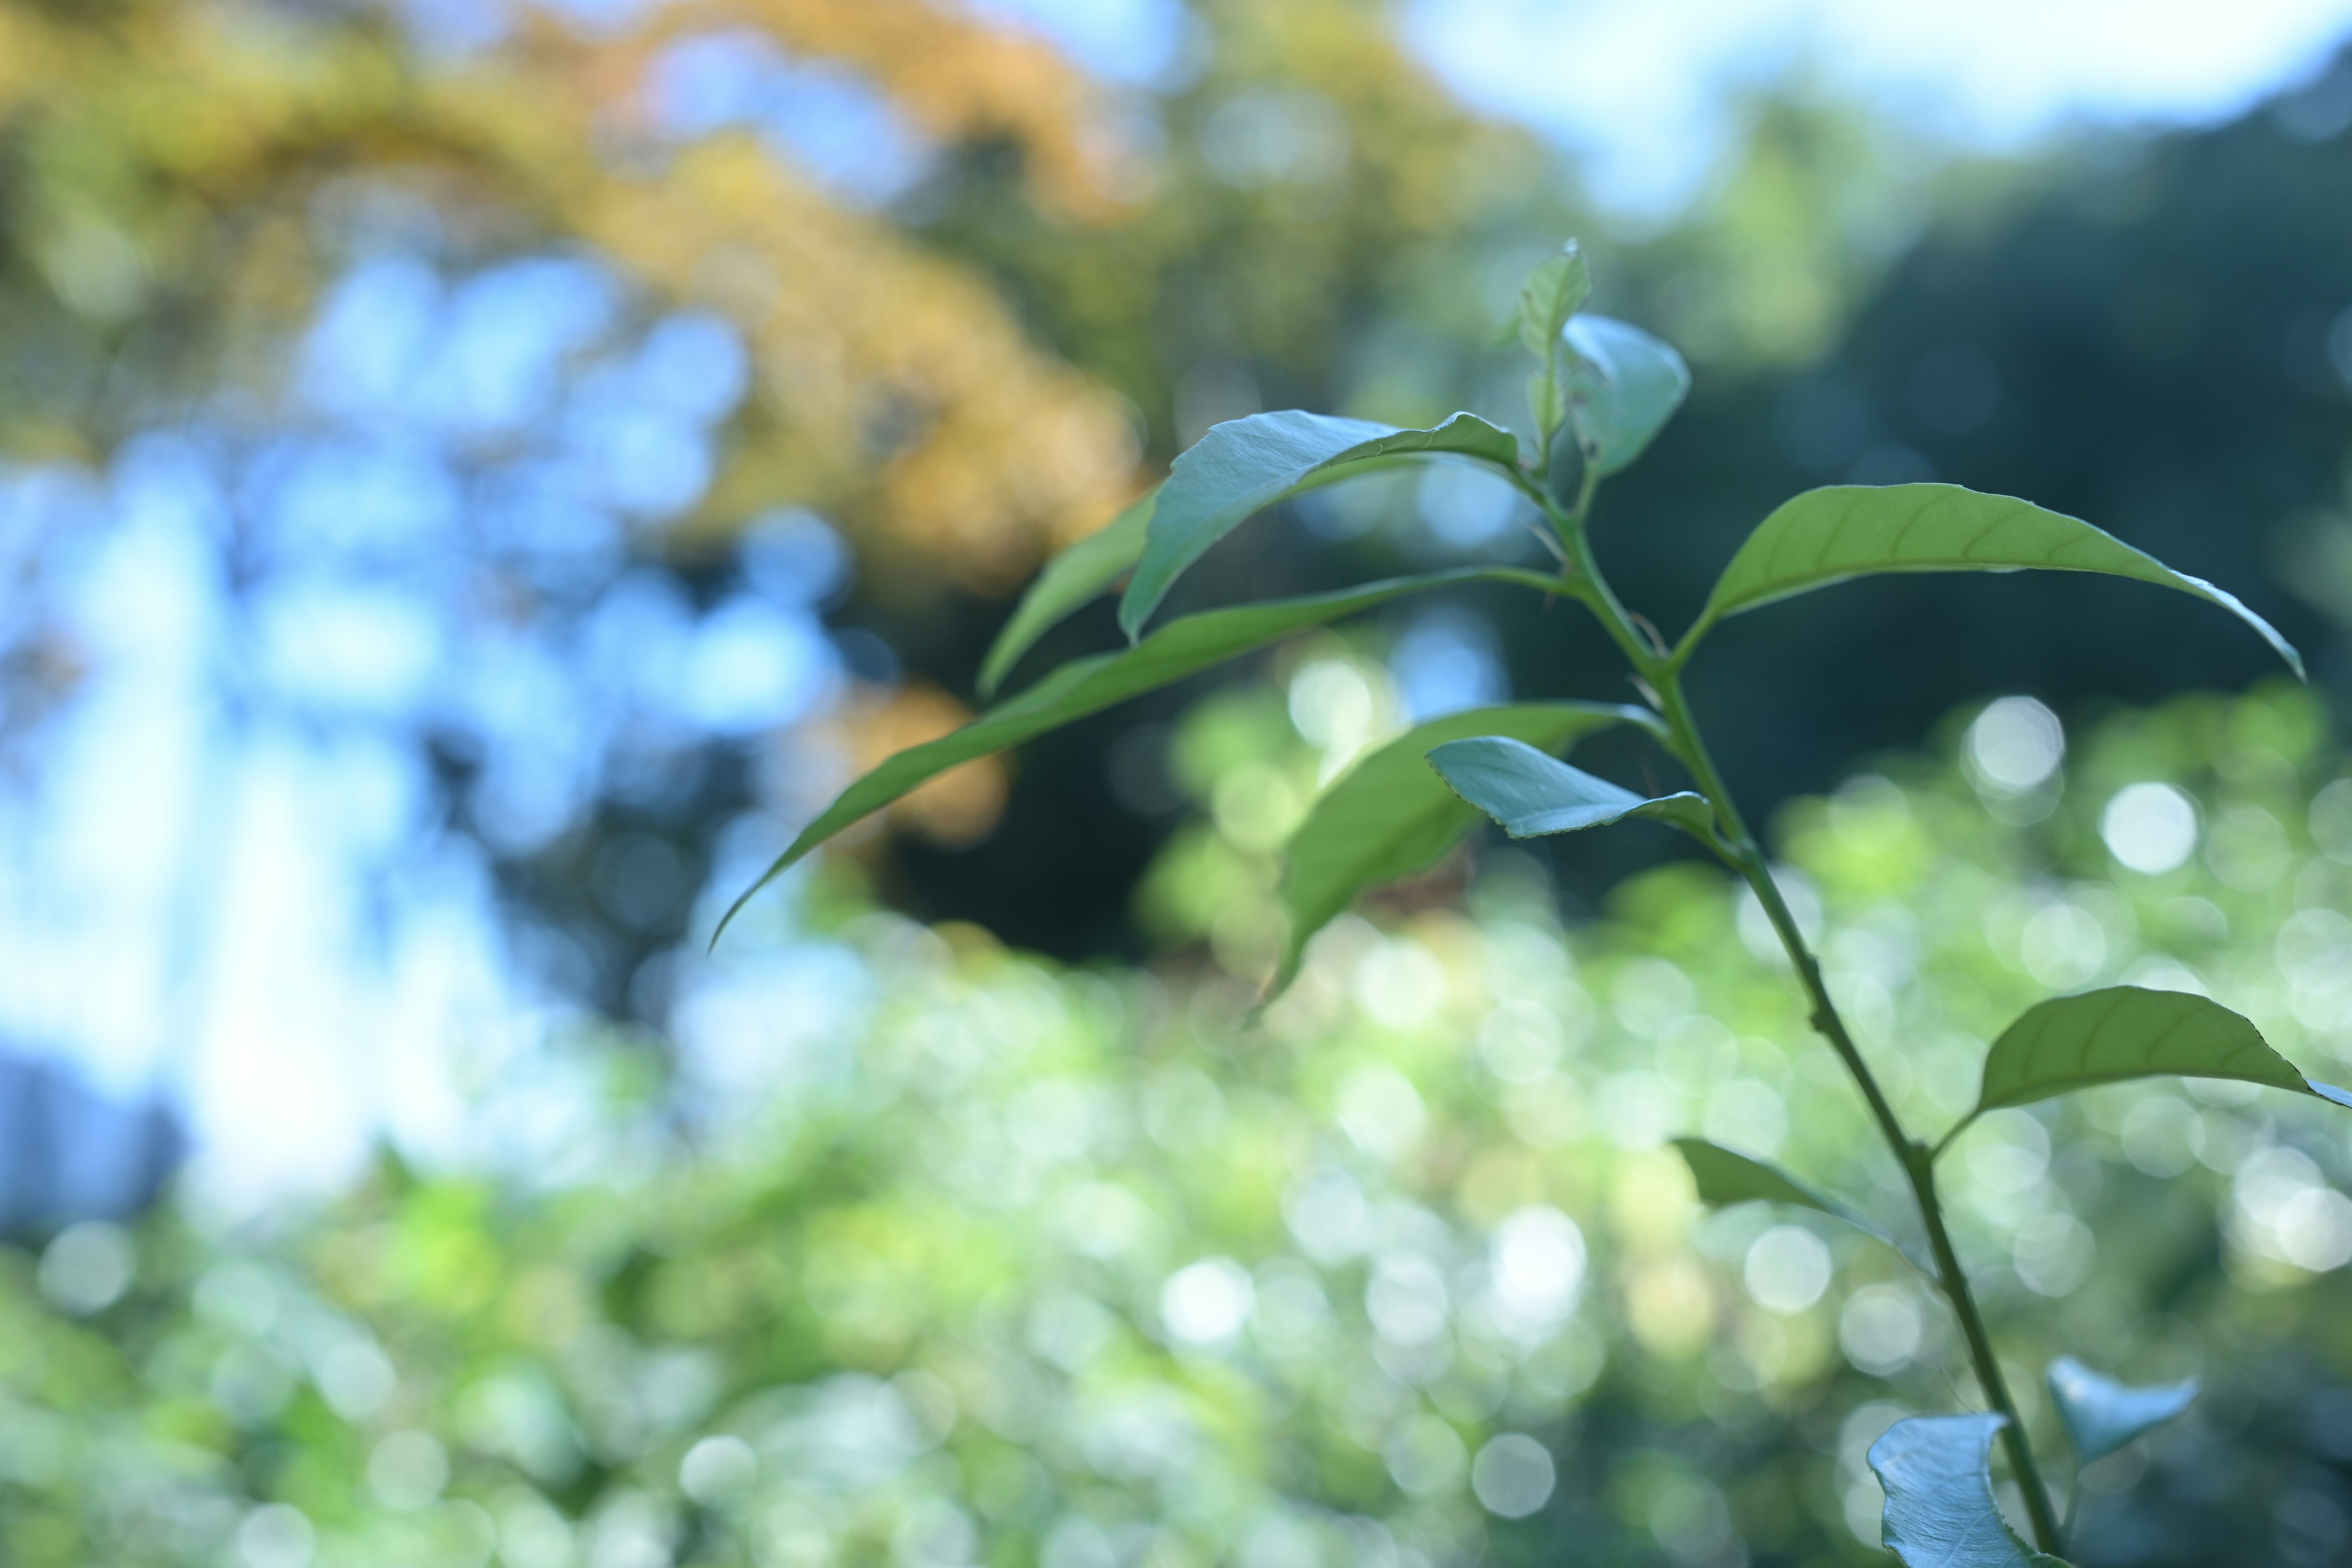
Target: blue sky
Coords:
[[1640, 87]]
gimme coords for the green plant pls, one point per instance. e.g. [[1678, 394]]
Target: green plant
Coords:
[[1602, 391]]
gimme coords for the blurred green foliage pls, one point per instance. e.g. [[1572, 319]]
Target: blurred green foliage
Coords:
[[1011, 1263]]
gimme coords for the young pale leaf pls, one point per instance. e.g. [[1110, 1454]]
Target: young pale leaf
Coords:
[[1532, 794], [1828, 535], [1244, 466], [1389, 817], [1622, 386], [1726, 1177], [1069, 580], [1089, 685], [1553, 293], [1548, 401], [2105, 1037], [1940, 1511], [2102, 1416]]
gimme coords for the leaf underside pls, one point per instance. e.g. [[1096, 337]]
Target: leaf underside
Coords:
[[1389, 816], [1244, 466], [1087, 686], [1940, 1511], [1531, 795], [2102, 1416], [2071, 1043], [1070, 580], [1829, 535], [1623, 384]]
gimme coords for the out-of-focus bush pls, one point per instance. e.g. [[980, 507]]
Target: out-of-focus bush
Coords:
[[1015, 1264]]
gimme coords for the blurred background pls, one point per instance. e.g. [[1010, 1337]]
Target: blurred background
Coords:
[[475, 476]]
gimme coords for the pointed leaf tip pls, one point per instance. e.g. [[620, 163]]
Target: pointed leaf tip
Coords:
[[1841, 532], [2102, 1416], [2123, 1032]]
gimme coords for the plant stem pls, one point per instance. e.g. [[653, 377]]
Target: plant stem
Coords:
[[1662, 672]]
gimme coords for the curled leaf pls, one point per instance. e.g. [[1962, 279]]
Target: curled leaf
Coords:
[[1532, 794], [1623, 384], [1389, 817], [2102, 1416], [1940, 1511]]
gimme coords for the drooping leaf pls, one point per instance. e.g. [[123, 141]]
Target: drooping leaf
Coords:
[[1531, 795], [1244, 466], [1623, 384], [1087, 686], [1069, 580], [1553, 293], [1940, 1511], [1828, 535], [1726, 1177], [1389, 816], [2101, 1414], [2070, 1042]]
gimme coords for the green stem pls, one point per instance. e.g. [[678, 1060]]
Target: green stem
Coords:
[[1661, 670]]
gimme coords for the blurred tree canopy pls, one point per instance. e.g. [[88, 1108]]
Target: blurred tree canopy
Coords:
[[985, 297], [959, 1256], [187, 178]]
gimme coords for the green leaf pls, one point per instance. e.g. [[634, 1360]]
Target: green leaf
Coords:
[[1069, 580], [1622, 386], [1389, 816], [2101, 1414], [1548, 401], [1087, 686], [1553, 293], [2106, 1036], [1828, 535], [1244, 466], [1940, 1511], [1532, 794], [1726, 1177]]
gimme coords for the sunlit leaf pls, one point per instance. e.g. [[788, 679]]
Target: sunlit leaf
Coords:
[[1244, 466], [1726, 1177], [1532, 794], [1828, 535], [1623, 384], [2101, 1414], [1087, 686], [1553, 293], [1940, 1511], [1069, 580], [1389, 816], [2070, 1042]]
